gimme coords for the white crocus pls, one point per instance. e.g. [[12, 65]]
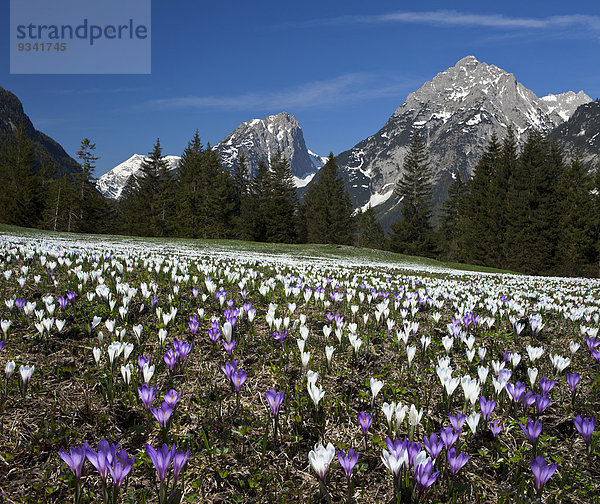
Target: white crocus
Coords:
[[329, 353], [320, 458], [473, 421], [376, 386], [97, 353], [315, 392], [148, 372], [532, 373]]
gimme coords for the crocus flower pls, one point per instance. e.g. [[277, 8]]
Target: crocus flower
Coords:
[[238, 378], [456, 463], [229, 346], [2, 343], [320, 458], [546, 385], [274, 399], [449, 437], [103, 458], [147, 395], [376, 386], [161, 459], [280, 336], [531, 430], [163, 414], [120, 467], [171, 397], [348, 461], [495, 427], [142, 361], [457, 421], [433, 445], [170, 359], [75, 458], [572, 381], [585, 427], [516, 391], [487, 407], [541, 403], [315, 392], [424, 476], [541, 472], [179, 461], [229, 368], [365, 420]]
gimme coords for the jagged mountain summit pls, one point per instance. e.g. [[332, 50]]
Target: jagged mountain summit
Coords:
[[12, 115], [457, 112], [112, 183], [582, 131], [258, 139]]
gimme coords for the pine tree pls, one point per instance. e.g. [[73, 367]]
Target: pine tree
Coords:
[[370, 231], [87, 205], [280, 206], [451, 236], [575, 251], [479, 222], [413, 234], [21, 196], [327, 207], [189, 188]]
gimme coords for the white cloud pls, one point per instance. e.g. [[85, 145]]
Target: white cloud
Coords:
[[456, 18], [344, 88]]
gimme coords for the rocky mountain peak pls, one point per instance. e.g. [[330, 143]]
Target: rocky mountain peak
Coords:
[[260, 139]]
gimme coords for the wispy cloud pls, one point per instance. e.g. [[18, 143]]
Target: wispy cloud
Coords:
[[456, 18], [345, 88]]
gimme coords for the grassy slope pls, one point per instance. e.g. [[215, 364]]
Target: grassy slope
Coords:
[[301, 250]]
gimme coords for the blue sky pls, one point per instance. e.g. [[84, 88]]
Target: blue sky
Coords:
[[341, 68]]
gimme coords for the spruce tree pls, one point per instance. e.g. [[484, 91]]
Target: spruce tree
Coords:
[[480, 226], [413, 233], [327, 207], [280, 205], [451, 235], [370, 231], [576, 248], [87, 205], [188, 188]]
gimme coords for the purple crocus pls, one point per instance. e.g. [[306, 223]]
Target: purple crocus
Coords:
[[163, 414], [541, 403], [170, 359], [495, 427], [572, 381], [365, 420], [213, 334], [171, 397], [546, 385], [2, 343], [457, 421], [161, 459], [238, 378], [348, 461], [425, 476], [280, 336], [274, 399], [516, 391], [528, 399], [449, 437], [456, 462], [120, 467], [541, 472], [194, 323], [229, 368], [75, 458], [487, 407], [229, 346], [182, 349], [179, 461], [103, 458], [63, 301], [585, 427], [532, 430], [147, 395], [433, 445]]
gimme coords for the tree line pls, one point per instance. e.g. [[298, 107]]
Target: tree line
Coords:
[[530, 210]]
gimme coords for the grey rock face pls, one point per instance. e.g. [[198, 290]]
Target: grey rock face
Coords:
[[260, 139], [582, 131], [457, 112]]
